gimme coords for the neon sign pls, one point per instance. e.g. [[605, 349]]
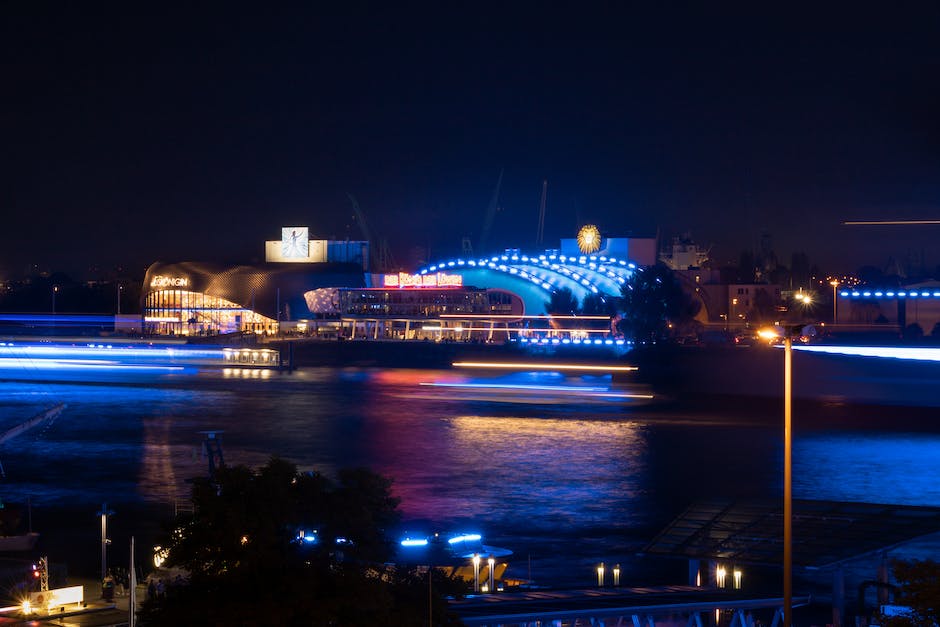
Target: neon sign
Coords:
[[439, 279], [169, 281]]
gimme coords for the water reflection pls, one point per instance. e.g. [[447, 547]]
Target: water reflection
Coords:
[[587, 479], [899, 468]]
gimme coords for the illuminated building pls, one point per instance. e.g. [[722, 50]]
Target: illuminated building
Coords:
[[902, 306], [311, 286], [192, 298]]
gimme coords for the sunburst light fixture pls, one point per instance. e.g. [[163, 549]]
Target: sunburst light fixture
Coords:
[[589, 239]]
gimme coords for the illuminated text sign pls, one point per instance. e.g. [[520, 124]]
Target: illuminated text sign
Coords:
[[439, 279], [169, 281]]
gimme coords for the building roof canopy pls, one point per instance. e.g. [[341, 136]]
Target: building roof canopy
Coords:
[[825, 533]]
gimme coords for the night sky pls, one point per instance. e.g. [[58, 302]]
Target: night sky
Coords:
[[132, 134]]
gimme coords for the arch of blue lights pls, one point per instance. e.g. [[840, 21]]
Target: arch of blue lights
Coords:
[[535, 277]]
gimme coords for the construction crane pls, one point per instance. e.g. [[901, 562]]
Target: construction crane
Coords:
[[540, 233], [490, 215], [380, 257]]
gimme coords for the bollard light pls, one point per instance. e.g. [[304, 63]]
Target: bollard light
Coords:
[[721, 576], [617, 574], [476, 572], [600, 575], [491, 563]]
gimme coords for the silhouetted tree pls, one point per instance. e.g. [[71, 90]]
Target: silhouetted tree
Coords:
[[747, 267], [248, 564], [600, 305], [799, 270], [652, 299], [913, 332], [919, 589], [562, 302]]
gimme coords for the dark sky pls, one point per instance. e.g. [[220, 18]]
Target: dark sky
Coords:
[[137, 133]]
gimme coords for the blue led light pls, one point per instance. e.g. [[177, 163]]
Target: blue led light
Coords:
[[467, 537], [415, 542]]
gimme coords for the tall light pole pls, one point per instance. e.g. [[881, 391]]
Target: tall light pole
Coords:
[[787, 481], [120, 289], [55, 290], [786, 334], [104, 513], [835, 284]]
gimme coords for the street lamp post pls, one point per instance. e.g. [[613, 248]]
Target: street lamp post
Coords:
[[104, 513], [786, 335], [835, 284], [55, 290], [787, 481]]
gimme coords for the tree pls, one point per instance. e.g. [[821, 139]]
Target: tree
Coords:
[[652, 300], [913, 332], [562, 302], [599, 305], [919, 588], [275, 546]]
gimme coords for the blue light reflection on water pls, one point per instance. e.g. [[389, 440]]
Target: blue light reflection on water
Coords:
[[597, 480]]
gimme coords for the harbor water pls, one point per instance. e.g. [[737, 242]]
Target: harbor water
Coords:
[[536, 461]]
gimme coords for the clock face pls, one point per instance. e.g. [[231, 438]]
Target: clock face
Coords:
[[294, 242]]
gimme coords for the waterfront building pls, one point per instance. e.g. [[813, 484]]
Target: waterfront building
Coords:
[[323, 287], [917, 303]]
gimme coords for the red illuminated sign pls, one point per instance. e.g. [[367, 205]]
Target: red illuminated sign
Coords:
[[439, 279]]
